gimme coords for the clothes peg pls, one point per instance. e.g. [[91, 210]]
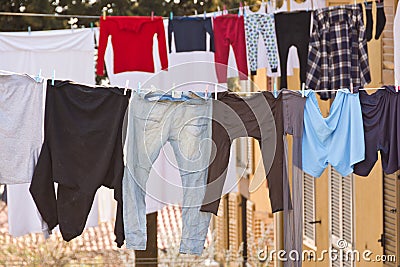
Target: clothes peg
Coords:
[[91, 26], [351, 87], [195, 12], [39, 76], [214, 14], [303, 86], [205, 14], [275, 91], [207, 91], [104, 14], [171, 15], [240, 8], [138, 87], [224, 12], [126, 86], [215, 91], [53, 77], [29, 30], [396, 85], [152, 15]]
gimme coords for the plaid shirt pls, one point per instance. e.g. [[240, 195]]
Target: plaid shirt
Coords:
[[337, 52]]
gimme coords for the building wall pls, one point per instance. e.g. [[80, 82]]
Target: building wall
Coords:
[[368, 204]]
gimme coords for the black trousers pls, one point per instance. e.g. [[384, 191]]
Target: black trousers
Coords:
[[82, 151], [293, 29]]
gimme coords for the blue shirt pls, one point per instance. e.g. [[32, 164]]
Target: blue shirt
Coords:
[[337, 139]]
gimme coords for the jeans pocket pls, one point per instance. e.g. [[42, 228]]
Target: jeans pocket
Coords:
[[197, 127], [150, 114]]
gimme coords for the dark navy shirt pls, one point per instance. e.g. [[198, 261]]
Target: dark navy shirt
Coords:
[[190, 34], [381, 118]]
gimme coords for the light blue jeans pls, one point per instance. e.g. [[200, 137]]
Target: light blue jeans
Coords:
[[185, 122]]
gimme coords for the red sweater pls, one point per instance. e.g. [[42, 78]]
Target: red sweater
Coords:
[[132, 42]]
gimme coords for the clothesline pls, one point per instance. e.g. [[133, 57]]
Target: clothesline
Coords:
[[86, 16], [333, 90]]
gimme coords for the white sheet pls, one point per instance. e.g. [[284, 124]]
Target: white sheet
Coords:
[[71, 55]]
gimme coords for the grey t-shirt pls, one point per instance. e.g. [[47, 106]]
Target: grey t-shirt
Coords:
[[21, 126]]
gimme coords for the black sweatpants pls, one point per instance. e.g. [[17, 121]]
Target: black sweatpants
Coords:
[[293, 29], [82, 151]]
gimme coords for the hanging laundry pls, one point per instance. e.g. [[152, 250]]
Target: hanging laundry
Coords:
[[259, 116], [306, 4], [262, 55], [264, 25], [132, 43], [380, 18], [381, 116], [48, 51], [164, 186], [21, 126], [184, 121], [369, 23], [190, 34], [293, 29], [335, 139], [293, 117], [338, 50], [229, 30], [82, 151]]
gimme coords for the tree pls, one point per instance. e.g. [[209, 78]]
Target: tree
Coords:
[[95, 8]]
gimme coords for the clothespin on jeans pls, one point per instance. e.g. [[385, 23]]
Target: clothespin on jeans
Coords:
[[215, 91], [351, 87], [303, 87], [38, 77], [396, 85], [126, 86], [206, 91], [205, 14], [171, 15], [275, 90], [53, 77]]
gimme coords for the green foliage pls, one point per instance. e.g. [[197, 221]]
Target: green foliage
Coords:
[[95, 8]]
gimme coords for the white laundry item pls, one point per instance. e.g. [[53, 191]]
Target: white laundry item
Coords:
[[23, 216], [70, 53], [396, 38], [307, 5], [164, 186], [107, 207]]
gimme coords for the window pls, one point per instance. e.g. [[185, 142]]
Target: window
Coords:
[[341, 215], [309, 210], [390, 238]]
